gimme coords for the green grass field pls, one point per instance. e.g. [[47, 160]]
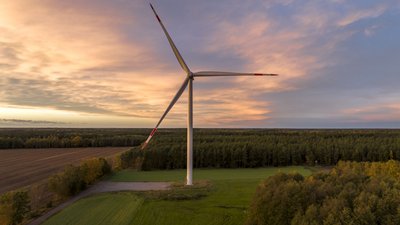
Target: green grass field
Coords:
[[224, 201], [100, 209]]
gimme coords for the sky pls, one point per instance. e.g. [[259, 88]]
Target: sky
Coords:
[[101, 63]]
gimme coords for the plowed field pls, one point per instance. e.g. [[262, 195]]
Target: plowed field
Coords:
[[20, 167]]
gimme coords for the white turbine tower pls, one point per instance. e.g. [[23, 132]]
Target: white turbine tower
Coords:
[[189, 81]]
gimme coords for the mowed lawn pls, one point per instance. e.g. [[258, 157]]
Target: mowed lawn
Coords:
[[225, 202]]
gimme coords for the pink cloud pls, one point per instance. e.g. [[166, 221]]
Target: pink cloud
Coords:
[[357, 15], [100, 57], [375, 113]]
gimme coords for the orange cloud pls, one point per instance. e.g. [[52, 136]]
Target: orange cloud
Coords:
[[99, 59], [77, 58]]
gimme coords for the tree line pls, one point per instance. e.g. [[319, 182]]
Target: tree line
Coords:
[[68, 138], [224, 148], [242, 148], [351, 193]]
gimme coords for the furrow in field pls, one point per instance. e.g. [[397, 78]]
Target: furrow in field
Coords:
[[23, 167]]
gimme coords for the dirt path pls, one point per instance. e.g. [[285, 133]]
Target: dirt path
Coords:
[[101, 187]]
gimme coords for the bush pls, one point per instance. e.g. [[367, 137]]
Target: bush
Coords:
[[352, 193], [129, 159], [93, 169], [68, 183], [74, 179], [14, 207], [40, 197]]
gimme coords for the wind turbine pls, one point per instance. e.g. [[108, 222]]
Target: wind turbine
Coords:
[[189, 82]]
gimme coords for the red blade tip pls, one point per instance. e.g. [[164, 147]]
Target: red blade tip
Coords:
[[153, 131]]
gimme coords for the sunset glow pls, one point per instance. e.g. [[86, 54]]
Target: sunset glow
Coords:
[[108, 64]]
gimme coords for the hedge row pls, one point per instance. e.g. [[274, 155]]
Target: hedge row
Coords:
[[74, 179]]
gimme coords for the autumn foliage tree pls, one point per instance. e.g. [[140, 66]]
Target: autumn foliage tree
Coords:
[[14, 207], [76, 178], [352, 193]]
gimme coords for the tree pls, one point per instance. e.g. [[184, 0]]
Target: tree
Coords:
[[351, 193], [14, 207], [76, 141]]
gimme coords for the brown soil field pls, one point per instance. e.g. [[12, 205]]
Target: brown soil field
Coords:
[[21, 167]]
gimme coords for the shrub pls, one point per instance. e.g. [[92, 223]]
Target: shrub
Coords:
[[40, 197], [93, 169], [129, 159], [74, 179], [14, 207], [69, 182], [116, 163]]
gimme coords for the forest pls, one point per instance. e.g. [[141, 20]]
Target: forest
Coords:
[[244, 148], [13, 138], [351, 193], [223, 148]]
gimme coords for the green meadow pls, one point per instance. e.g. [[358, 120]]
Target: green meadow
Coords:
[[219, 196]]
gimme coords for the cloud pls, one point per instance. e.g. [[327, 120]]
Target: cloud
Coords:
[[357, 15], [110, 58], [229, 108], [369, 31], [81, 57], [28, 122], [388, 112], [76, 57], [297, 47]]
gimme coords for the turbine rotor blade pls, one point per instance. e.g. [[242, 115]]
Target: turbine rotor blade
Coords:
[[174, 100], [174, 49], [228, 74]]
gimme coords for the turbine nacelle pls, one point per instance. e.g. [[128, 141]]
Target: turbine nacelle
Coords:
[[191, 76]]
